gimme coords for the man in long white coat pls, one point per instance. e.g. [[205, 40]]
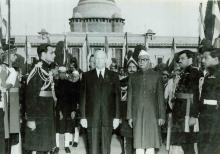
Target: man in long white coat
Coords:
[[146, 106]]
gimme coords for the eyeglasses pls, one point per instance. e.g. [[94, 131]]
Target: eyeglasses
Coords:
[[143, 60]]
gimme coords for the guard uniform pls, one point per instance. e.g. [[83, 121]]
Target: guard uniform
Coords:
[[67, 93], [187, 91], [40, 108], [7, 79], [14, 122], [209, 118], [66, 103], [2, 111], [125, 130]]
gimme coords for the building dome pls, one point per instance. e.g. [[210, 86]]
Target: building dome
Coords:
[[96, 16], [97, 9]]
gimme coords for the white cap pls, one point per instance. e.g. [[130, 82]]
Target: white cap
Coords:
[[75, 73], [143, 53], [62, 69]]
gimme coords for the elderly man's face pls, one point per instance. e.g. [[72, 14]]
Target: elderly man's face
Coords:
[[132, 68], [100, 59], [144, 62]]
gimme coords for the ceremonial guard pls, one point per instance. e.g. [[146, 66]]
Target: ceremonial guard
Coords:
[[14, 121], [146, 109], [67, 93], [209, 118], [8, 78], [40, 102], [75, 76], [185, 104], [125, 129]]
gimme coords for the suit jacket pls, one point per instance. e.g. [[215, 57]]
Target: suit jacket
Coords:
[[99, 100]]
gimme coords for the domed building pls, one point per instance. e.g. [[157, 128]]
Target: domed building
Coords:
[[97, 16]]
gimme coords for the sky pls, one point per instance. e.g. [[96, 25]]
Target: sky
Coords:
[[164, 17]]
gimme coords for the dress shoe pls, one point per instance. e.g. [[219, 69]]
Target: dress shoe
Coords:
[[56, 151], [67, 150], [75, 144]]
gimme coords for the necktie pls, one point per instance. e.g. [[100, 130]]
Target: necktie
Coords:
[[100, 76]]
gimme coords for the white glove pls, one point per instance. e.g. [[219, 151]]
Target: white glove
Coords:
[[31, 125], [116, 123], [161, 122], [12, 76], [61, 115], [73, 114], [130, 122], [84, 123]]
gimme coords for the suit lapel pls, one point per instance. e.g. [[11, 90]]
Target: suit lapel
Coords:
[[106, 76], [94, 75]]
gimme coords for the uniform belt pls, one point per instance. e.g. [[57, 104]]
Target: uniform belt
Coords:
[[14, 90], [46, 94], [210, 102], [184, 96]]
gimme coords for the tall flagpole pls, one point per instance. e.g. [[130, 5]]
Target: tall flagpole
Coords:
[[9, 31], [9, 57], [26, 54]]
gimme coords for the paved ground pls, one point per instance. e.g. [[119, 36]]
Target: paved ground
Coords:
[[115, 148]]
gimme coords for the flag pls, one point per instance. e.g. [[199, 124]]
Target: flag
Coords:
[[88, 51], [65, 51], [201, 24], [125, 50], [108, 53], [216, 14], [4, 6], [171, 61], [85, 55], [27, 49]]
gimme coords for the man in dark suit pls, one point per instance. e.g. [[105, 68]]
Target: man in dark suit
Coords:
[[99, 104]]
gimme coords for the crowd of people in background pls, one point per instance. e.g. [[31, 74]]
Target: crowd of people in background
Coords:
[[174, 104]]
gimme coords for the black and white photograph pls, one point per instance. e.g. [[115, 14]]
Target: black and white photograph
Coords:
[[109, 76]]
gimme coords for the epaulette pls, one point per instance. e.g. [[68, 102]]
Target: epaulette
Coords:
[[34, 70]]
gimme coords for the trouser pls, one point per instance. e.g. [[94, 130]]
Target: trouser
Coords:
[[99, 140], [86, 140], [188, 148], [2, 133], [129, 145], [2, 145]]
